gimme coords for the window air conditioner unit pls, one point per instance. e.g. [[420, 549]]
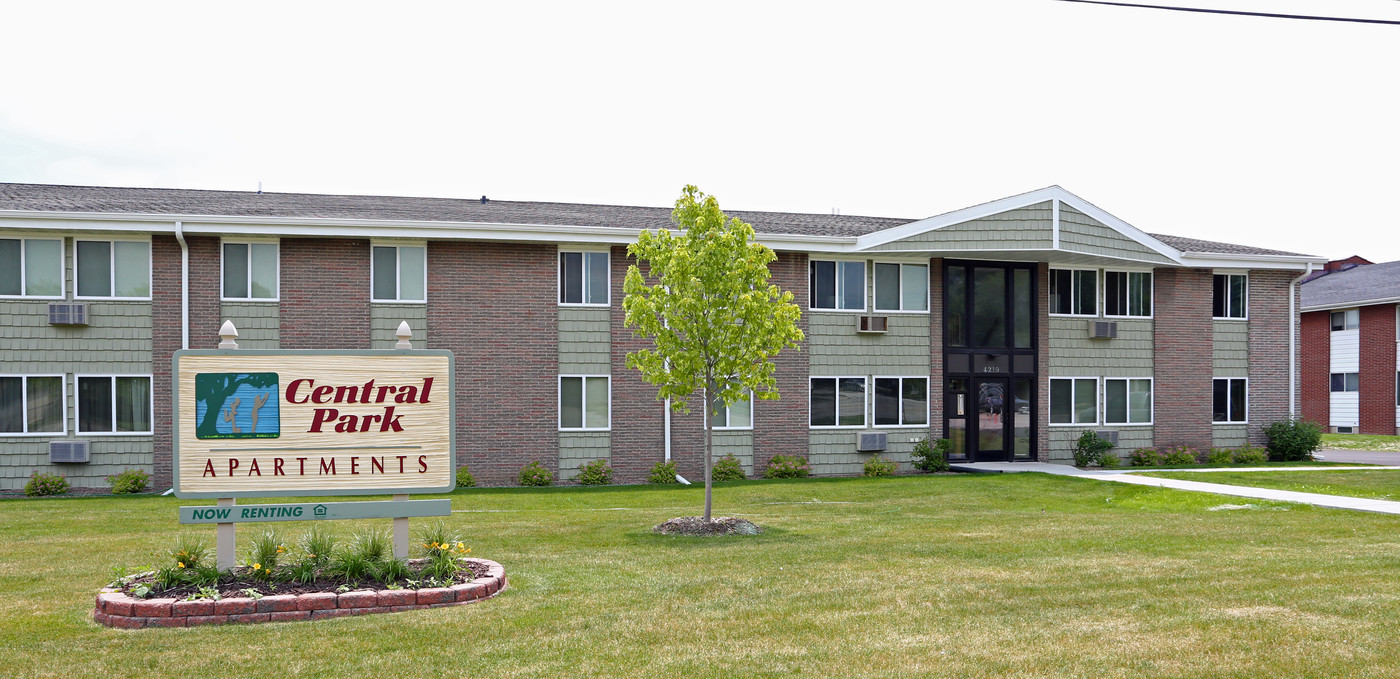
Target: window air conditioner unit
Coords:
[[1103, 329], [67, 314], [68, 452], [872, 441], [872, 324], [1110, 435]]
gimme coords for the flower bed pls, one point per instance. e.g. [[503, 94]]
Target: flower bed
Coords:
[[117, 609]]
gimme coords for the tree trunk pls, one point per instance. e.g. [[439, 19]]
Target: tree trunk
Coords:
[[709, 463]]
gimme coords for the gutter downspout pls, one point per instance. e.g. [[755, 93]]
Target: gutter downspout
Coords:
[[184, 285], [668, 439], [1293, 330]]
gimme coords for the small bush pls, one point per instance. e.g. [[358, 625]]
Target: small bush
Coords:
[[663, 472], [1220, 456], [1089, 448], [1293, 440], [1179, 455], [595, 473], [41, 484], [931, 457], [728, 468], [465, 478], [535, 474], [129, 481], [1250, 455], [1145, 457], [190, 552], [267, 549], [372, 545], [787, 467], [1108, 461], [318, 544], [879, 466]]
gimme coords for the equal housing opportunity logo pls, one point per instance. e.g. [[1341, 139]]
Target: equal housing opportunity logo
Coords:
[[237, 406]]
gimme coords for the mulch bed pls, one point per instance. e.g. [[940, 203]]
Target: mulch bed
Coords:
[[243, 582], [697, 525]]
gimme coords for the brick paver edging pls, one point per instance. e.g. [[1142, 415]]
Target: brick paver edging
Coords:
[[115, 609]]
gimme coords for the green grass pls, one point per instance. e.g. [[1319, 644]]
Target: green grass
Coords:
[[1379, 484], [968, 575], [1390, 444]]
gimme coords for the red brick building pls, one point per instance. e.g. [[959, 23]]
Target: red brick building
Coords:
[[1350, 314]]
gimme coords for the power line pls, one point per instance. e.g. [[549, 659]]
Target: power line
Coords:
[[1239, 13]]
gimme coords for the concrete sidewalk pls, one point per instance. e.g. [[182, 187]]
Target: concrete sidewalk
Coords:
[[1127, 476]]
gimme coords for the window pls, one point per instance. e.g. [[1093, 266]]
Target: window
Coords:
[[1127, 401], [31, 267], [32, 404], [901, 287], [838, 402], [1231, 402], [1230, 295], [1342, 382], [114, 405], [838, 285], [737, 415], [584, 402], [1349, 319], [250, 271], [901, 401], [1074, 400], [1073, 292], [119, 268], [583, 278], [1127, 293], [400, 273]]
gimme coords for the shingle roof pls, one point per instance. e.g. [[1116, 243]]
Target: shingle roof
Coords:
[[1358, 284], [1196, 245]]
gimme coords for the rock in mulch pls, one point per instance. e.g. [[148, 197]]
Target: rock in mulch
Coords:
[[697, 525]]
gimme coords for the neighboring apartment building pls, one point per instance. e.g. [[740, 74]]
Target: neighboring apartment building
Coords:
[[1350, 314], [1008, 327]]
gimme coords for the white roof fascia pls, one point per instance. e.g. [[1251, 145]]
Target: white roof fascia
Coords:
[[1118, 225], [1220, 260], [1348, 305]]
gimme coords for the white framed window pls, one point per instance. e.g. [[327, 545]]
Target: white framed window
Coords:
[[1074, 292], [1231, 400], [1127, 400], [1127, 294], [736, 415], [1230, 296], [901, 401], [585, 402], [33, 405], [31, 267], [583, 278], [837, 285], [837, 402], [114, 404], [1074, 400], [399, 273], [901, 287], [112, 269], [250, 270], [1344, 382], [1347, 319]]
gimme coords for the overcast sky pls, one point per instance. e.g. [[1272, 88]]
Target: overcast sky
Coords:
[[1268, 132]]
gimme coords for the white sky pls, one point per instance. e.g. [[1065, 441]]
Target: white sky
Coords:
[[1267, 132]]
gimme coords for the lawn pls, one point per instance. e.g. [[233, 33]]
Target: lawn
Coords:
[[967, 575], [1389, 444], [1379, 484]]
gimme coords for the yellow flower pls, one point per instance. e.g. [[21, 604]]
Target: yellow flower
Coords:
[[257, 566], [182, 564], [459, 545]]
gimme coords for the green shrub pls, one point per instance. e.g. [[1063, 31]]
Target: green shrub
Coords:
[[787, 467], [372, 545], [438, 540], [190, 551], [1089, 448], [663, 472], [266, 550], [535, 474], [1292, 440], [1145, 457], [465, 478], [41, 484], [1250, 455], [879, 466], [318, 544], [595, 473], [931, 457], [129, 481], [1108, 461], [728, 468], [1220, 456], [1179, 455]]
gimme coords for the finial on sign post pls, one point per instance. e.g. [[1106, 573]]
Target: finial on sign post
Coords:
[[405, 335], [228, 333]]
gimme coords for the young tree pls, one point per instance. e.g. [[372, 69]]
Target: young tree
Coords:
[[714, 320]]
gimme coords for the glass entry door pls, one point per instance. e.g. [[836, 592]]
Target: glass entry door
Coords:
[[992, 436]]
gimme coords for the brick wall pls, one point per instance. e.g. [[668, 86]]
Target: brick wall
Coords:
[[494, 306], [780, 427], [1315, 366], [1042, 363], [1269, 362], [1183, 338], [1377, 378], [638, 432], [325, 293], [166, 322], [938, 381]]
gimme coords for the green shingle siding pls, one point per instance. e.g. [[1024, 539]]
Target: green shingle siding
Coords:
[[1027, 228], [384, 322], [1073, 354], [258, 323], [833, 452], [1231, 349], [585, 341], [1081, 233], [835, 348], [108, 455], [579, 448], [1229, 435]]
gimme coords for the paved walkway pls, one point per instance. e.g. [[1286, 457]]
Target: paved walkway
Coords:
[[1363, 456], [1127, 476]]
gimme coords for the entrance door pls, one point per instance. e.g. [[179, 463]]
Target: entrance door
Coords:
[[991, 437]]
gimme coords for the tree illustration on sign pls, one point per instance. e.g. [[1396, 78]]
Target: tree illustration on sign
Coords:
[[212, 390]]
